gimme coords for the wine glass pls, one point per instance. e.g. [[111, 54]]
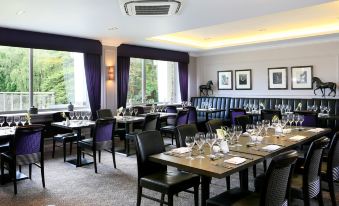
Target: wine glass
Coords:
[[296, 120], [71, 115], [238, 133], [77, 115], [328, 109], [290, 120], [266, 124], [211, 139], [10, 121], [2, 120], [301, 120], [123, 112], [200, 141], [231, 132], [189, 140], [17, 120], [135, 110], [249, 128]]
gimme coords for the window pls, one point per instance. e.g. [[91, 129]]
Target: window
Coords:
[[153, 81], [54, 85]]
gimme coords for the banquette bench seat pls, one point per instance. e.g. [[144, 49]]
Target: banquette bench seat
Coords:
[[269, 103]]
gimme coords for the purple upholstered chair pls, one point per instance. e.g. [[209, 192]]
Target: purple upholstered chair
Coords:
[[171, 109], [102, 140], [192, 115], [310, 118], [26, 148], [180, 119], [236, 112]]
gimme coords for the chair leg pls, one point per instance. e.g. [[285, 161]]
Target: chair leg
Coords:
[[320, 198], [53, 151], [228, 182], [64, 150], [170, 199], [196, 195], [127, 152], [2, 171], [113, 156], [254, 170], [42, 165], [95, 161], [172, 138], [19, 168], [265, 165], [139, 195], [13, 174], [70, 147], [99, 155], [332, 193], [30, 171]]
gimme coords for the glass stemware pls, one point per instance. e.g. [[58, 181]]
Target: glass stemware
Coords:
[[238, 133], [17, 120], [71, 115], [211, 138], [200, 141], [189, 140], [2, 121], [266, 124], [296, 120], [77, 115], [301, 120], [231, 132]]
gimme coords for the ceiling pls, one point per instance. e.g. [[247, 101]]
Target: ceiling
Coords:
[[199, 27]]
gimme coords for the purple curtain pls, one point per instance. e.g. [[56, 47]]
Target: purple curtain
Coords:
[[122, 79], [183, 80], [93, 77]]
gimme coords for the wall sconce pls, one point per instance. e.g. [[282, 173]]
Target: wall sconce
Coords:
[[111, 71]]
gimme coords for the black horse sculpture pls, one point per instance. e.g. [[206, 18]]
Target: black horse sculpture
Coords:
[[205, 88], [323, 86]]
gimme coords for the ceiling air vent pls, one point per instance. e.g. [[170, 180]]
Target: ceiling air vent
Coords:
[[150, 7]]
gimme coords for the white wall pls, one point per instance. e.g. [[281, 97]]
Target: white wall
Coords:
[[323, 56], [192, 77], [108, 87]]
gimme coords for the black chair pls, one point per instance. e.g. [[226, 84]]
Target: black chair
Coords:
[[102, 140], [180, 119], [64, 136], [275, 190], [182, 131], [214, 124], [268, 114], [310, 118], [26, 148], [307, 186], [236, 112], [330, 168], [171, 109], [192, 115], [154, 176], [140, 109], [149, 124]]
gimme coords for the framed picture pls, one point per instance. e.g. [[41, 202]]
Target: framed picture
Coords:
[[277, 78], [243, 79], [302, 77], [225, 80]]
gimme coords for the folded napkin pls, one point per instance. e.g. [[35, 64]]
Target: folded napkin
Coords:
[[235, 160], [297, 138], [271, 147], [246, 134], [181, 150], [286, 131], [316, 130]]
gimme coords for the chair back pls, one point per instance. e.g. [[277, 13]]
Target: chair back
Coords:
[[333, 158], [140, 109], [310, 118], [27, 140], [103, 130], [278, 179], [171, 109], [312, 168], [267, 114], [104, 113], [236, 112], [242, 120], [214, 124], [57, 117], [182, 131], [151, 122], [181, 118], [192, 115], [149, 143]]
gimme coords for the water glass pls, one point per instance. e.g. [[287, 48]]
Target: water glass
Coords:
[[2, 120], [189, 140], [17, 120], [301, 120], [77, 115], [238, 133], [296, 120], [200, 141], [266, 124], [211, 138], [231, 132]]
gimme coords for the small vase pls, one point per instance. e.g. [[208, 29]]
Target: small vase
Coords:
[[70, 107], [278, 129], [224, 146]]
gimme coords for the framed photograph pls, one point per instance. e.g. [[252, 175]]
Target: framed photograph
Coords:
[[225, 80], [277, 78], [243, 79], [302, 77]]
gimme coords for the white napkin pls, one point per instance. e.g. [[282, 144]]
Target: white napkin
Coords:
[[181, 150], [235, 160], [246, 134], [297, 138], [286, 131], [316, 130], [271, 147]]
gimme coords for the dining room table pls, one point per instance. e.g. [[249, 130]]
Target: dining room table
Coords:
[[77, 126], [206, 111], [250, 153]]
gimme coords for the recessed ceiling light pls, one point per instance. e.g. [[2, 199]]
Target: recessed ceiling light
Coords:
[[113, 28], [21, 12]]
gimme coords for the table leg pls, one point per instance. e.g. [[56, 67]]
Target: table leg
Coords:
[[205, 189], [78, 162], [243, 177], [206, 116]]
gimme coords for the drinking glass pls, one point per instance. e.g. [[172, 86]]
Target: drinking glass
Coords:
[[211, 139], [2, 120], [301, 120], [135, 112], [322, 108], [296, 120], [249, 128], [200, 141], [290, 119], [189, 140], [77, 115], [17, 120], [231, 132], [71, 115], [266, 124], [284, 121], [123, 112], [10, 121], [238, 133], [328, 109]]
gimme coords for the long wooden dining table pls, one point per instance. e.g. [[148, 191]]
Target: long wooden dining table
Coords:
[[253, 154]]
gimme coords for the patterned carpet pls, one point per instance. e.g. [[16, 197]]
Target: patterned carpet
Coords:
[[67, 185]]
